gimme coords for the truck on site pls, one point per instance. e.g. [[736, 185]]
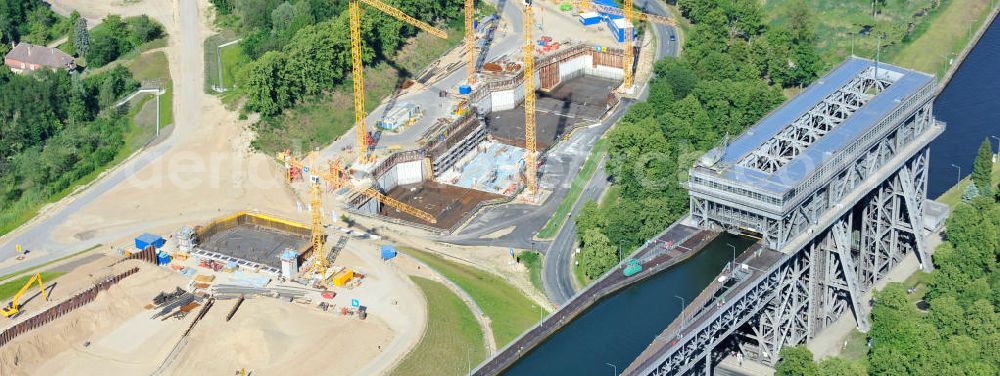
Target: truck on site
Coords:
[[632, 267], [14, 306]]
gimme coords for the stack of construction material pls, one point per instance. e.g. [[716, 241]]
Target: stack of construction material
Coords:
[[343, 277], [226, 291]]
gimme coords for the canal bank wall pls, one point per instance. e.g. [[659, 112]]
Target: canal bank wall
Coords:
[[684, 242], [968, 48]]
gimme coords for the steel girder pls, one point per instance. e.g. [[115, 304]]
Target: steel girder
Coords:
[[815, 123]]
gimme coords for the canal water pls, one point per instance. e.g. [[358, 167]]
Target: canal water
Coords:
[[617, 328], [970, 104]]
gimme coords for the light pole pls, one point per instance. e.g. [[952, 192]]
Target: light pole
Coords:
[[683, 305], [959, 178], [620, 246], [613, 366]]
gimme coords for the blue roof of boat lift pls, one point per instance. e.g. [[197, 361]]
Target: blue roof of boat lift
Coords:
[[815, 155]]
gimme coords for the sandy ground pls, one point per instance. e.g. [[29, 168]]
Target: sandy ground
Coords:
[[210, 171], [47, 350]]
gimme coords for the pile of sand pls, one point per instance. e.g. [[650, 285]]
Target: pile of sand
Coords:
[[28, 352], [270, 336]]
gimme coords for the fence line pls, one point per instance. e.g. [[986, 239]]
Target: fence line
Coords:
[[63, 308]]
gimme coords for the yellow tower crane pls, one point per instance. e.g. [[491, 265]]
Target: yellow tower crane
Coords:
[[631, 16], [357, 67], [336, 176], [320, 263], [470, 39], [530, 164]]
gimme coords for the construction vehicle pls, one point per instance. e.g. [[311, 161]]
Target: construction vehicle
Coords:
[[357, 67], [14, 306], [631, 16]]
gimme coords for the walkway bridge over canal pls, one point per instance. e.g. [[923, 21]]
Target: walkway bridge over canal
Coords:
[[834, 184]]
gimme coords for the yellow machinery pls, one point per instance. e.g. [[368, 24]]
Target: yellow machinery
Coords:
[[15, 306], [530, 164], [631, 16], [357, 67], [337, 178], [470, 39]]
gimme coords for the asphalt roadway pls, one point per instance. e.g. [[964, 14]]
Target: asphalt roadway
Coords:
[[36, 235], [557, 276]]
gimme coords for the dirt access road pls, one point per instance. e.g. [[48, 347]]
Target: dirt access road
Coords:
[[201, 170]]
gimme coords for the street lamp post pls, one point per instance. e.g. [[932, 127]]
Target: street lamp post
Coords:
[[613, 366], [733, 265], [959, 178]]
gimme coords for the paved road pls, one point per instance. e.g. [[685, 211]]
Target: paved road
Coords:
[[433, 105], [556, 275], [37, 235]]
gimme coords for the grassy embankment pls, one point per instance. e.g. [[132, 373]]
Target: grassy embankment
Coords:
[[935, 37], [8, 289], [452, 341], [575, 190], [509, 310], [533, 261], [953, 196]]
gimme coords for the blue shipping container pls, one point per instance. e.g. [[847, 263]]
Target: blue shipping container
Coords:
[[163, 258], [589, 18], [388, 252], [147, 239], [465, 89]]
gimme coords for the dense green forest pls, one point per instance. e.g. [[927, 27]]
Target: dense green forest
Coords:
[[56, 126], [53, 132], [29, 21], [730, 74], [959, 334], [300, 50]]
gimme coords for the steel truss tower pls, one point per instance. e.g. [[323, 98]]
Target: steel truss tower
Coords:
[[836, 192]]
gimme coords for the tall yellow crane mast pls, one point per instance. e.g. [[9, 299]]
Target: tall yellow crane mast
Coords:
[[357, 67], [628, 11], [470, 39], [15, 304], [530, 164], [320, 263]]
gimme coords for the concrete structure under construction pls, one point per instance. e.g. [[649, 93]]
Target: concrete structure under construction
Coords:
[[834, 185], [474, 157], [253, 241]]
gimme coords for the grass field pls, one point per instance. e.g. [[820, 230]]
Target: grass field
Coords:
[[452, 341], [8, 289], [509, 310], [953, 196], [212, 59], [575, 189], [533, 261], [950, 31], [36, 267], [146, 67]]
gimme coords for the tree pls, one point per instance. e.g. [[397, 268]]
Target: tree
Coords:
[[81, 37], [597, 256], [795, 361], [801, 21], [982, 169], [971, 192], [281, 17], [837, 366]]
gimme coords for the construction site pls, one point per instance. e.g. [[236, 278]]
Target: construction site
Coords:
[[475, 156], [277, 279]]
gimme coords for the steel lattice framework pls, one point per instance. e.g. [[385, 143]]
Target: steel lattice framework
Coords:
[[817, 122], [825, 241]]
